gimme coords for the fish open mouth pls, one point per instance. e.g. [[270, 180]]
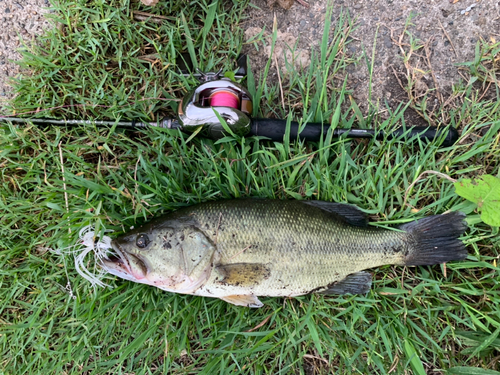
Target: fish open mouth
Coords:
[[125, 265], [114, 259], [118, 258], [117, 263]]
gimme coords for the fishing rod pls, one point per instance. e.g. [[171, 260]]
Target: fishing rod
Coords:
[[216, 98]]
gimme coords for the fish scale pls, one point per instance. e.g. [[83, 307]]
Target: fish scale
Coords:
[[238, 250]]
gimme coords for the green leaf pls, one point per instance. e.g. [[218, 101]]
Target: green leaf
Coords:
[[485, 192], [54, 206], [475, 339], [463, 370], [209, 21], [189, 42], [230, 75], [415, 362], [87, 184], [487, 342], [315, 337]]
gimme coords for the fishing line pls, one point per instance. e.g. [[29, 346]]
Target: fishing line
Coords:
[[224, 98]]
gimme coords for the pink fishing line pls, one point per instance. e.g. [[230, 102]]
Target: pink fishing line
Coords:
[[223, 98]]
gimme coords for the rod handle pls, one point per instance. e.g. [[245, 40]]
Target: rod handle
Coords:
[[430, 132], [275, 130]]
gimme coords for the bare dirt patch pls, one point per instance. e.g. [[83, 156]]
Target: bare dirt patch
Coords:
[[416, 45]]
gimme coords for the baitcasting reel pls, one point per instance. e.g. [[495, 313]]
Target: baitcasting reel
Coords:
[[230, 100]]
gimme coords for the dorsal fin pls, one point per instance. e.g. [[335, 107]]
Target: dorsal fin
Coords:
[[351, 214]]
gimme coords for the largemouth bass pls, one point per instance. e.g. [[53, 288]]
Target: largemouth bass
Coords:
[[238, 250]]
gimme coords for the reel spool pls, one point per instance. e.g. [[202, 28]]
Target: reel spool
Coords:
[[224, 98]]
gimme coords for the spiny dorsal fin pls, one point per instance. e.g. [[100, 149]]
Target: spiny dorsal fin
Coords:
[[355, 283], [351, 214], [243, 300], [242, 274]]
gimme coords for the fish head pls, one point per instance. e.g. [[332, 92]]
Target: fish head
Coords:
[[176, 259]]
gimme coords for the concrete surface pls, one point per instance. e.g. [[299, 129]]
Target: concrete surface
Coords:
[[19, 19]]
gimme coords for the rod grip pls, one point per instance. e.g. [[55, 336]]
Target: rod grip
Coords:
[[275, 130], [431, 132]]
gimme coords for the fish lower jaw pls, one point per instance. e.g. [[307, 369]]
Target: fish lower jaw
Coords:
[[121, 274]]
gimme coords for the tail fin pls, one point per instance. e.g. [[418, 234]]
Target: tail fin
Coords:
[[435, 239]]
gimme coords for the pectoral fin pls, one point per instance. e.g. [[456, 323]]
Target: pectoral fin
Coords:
[[355, 283], [242, 274], [243, 300]]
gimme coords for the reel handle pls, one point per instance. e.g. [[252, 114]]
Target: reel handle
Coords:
[[312, 132]]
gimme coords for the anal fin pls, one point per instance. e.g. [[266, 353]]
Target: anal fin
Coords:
[[243, 300], [355, 283]]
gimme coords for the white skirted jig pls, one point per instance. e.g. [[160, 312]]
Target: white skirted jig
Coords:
[[88, 243]]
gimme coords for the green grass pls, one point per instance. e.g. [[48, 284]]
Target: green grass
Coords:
[[413, 321]]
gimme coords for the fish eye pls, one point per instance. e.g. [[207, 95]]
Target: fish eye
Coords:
[[142, 241]]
